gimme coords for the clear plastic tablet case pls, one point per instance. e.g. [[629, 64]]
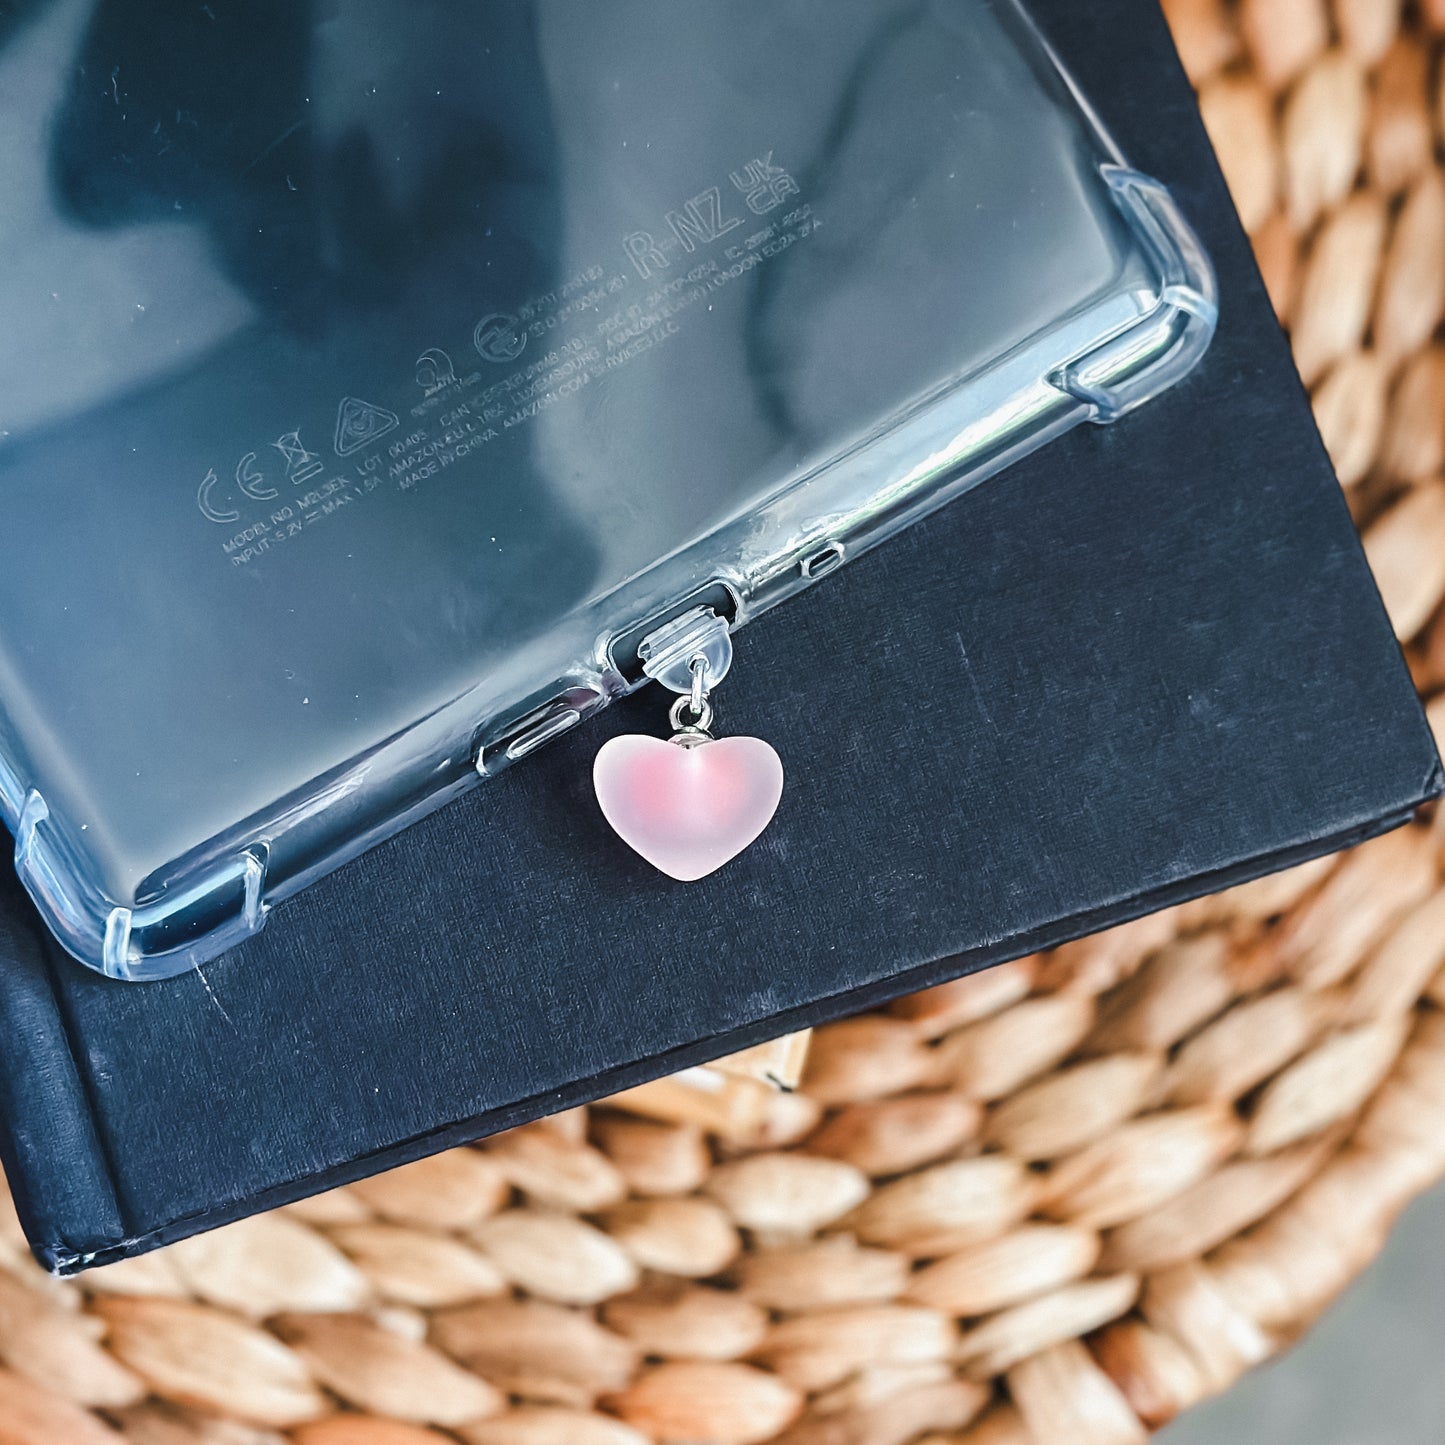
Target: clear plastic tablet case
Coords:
[[375, 379]]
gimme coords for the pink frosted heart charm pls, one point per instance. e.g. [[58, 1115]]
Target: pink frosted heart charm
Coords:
[[688, 805]]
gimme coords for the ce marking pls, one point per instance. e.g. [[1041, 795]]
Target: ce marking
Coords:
[[250, 482]]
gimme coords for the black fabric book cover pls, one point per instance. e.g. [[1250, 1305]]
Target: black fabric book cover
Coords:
[[1146, 663]]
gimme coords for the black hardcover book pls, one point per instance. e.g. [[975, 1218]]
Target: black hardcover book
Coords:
[[1143, 664]]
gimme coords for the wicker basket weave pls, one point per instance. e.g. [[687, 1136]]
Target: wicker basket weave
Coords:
[[1058, 1202]]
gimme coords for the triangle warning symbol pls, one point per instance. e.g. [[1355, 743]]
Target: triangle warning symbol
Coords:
[[359, 423]]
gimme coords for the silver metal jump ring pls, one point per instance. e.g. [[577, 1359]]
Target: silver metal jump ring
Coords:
[[698, 668], [702, 715]]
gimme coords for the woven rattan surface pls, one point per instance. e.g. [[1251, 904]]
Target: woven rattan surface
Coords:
[[1058, 1202]]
